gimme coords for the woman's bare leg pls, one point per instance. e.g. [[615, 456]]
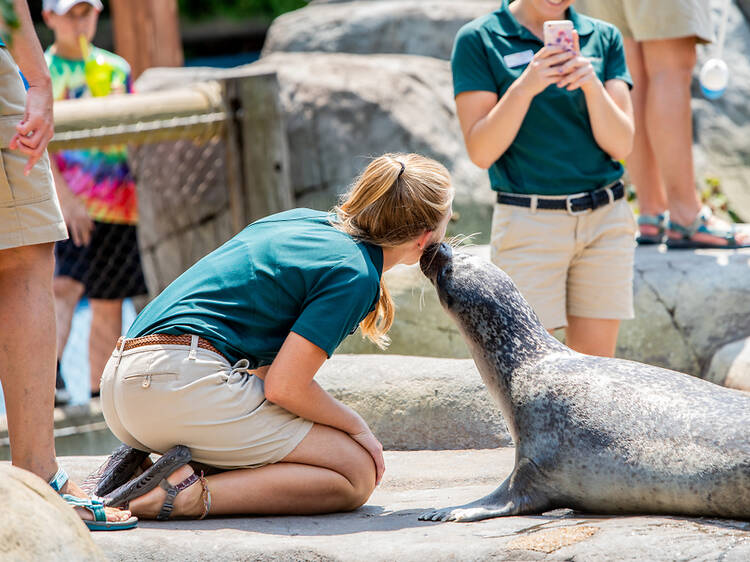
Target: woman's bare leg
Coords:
[[327, 472], [27, 362], [642, 165], [592, 336], [106, 326], [68, 292]]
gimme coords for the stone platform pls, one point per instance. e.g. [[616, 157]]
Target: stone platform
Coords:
[[387, 529]]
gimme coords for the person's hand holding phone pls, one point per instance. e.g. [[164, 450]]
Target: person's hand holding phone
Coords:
[[544, 69], [577, 72]]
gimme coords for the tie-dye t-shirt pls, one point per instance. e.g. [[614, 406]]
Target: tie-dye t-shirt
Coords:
[[100, 176]]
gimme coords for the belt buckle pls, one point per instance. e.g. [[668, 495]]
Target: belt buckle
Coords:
[[569, 205]]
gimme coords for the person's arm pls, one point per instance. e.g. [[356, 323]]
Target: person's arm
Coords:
[[609, 105], [289, 383], [37, 127], [74, 210], [489, 126]]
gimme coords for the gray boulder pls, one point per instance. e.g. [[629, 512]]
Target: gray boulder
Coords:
[[414, 403], [688, 305], [36, 524], [341, 110], [730, 366], [425, 27]]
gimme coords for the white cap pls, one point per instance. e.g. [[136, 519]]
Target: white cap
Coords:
[[61, 7]]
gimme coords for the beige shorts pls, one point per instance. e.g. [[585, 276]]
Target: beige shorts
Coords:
[[648, 20], [29, 210], [577, 265], [157, 396]]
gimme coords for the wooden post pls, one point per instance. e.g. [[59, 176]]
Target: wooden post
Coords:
[[147, 33], [264, 153]]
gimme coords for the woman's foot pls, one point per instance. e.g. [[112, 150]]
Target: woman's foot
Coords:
[[114, 514], [188, 503], [651, 229], [707, 231]]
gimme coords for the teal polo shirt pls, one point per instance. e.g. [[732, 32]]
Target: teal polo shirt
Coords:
[[290, 272], [555, 152]]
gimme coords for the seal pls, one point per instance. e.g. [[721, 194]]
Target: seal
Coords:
[[593, 434]]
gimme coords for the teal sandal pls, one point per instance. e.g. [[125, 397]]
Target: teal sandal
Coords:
[[96, 507], [683, 237], [659, 222]]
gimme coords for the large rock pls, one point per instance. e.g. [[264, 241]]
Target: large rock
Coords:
[[688, 305], [730, 365], [417, 402], [428, 27], [341, 110], [36, 524], [424, 27]]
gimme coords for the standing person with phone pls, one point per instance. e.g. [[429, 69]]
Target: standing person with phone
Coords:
[[550, 121]]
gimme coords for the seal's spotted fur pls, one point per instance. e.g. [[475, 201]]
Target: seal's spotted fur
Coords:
[[592, 434]]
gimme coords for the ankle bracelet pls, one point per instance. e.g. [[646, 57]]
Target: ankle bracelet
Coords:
[[205, 496]]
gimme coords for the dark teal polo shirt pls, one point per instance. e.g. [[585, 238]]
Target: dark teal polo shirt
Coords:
[[290, 272], [555, 152]]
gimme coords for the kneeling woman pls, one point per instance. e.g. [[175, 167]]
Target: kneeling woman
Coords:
[[223, 360]]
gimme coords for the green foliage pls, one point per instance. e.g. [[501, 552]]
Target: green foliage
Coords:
[[237, 9], [714, 197], [9, 19]]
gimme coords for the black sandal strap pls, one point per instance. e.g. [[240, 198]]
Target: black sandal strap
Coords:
[[163, 467], [172, 491]]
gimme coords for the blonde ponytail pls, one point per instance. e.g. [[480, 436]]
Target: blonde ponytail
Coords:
[[396, 199]]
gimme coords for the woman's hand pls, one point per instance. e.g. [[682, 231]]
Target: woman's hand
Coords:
[[372, 446], [36, 129], [77, 219], [544, 69], [578, 71]]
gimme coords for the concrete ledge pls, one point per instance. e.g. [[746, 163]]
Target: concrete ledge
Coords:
[[387, 528], [417, 402]]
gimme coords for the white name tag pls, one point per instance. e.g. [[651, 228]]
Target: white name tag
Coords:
[[518, 59]]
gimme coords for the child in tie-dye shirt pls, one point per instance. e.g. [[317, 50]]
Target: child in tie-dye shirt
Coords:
[[96, 191]]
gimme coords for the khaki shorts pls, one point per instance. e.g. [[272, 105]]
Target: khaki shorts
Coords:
[[157, 396], [29, 210], [565, 265], [648, 20]]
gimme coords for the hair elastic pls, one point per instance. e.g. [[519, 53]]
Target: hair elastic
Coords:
[[403, 169]]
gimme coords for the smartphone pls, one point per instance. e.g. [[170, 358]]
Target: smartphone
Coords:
[[559, 33]]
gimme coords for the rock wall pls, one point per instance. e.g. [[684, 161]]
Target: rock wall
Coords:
[[427, 27]]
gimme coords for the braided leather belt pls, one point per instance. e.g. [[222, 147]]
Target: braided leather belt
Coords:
[[165, 339], [575, 204]]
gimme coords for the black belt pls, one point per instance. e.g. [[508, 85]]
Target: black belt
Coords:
[[574, 204]]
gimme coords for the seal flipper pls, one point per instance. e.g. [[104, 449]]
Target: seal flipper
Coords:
[[517, 495]]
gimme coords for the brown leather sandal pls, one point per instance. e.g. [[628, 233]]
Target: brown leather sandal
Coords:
[[172, 491]]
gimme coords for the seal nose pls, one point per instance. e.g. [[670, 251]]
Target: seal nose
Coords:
[[434, 258]]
